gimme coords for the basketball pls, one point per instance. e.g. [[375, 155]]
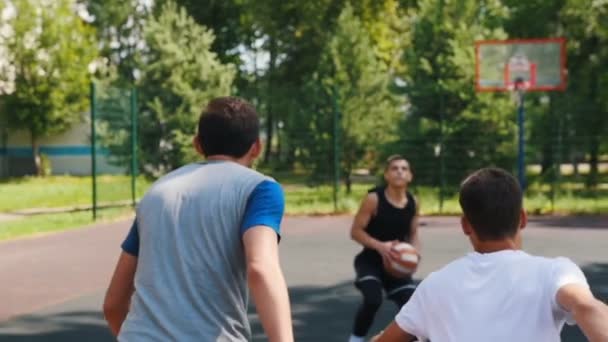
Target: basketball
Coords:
[[406, 263]]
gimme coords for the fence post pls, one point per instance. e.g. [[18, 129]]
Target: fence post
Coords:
[[134, 126], [557, 167], [441, 156], [521, 153], [93, 148], [4, 172], [336, 143]]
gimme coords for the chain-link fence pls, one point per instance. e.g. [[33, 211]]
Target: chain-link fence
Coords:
[[113, 145], [566, 169], [326, 166], [4, 158]]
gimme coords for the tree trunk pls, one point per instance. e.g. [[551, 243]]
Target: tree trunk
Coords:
[[594, 151], [348, 182], [269, 100], [547, 160], [269, 133], [36, 155], [549, 142], [279, 150], [595, 131], [349, 169]]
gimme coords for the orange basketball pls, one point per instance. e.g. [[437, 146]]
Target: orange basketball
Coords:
[[406, 263]]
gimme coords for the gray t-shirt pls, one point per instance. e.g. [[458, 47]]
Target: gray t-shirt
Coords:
[[190, 282]]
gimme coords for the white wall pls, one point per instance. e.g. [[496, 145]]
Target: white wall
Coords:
[[69, 152]]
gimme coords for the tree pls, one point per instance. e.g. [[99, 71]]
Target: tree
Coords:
[[540, 118], [49, 50], [179, 74], [295, 91], [229, 20], [573, 121], [450, 129], [119, 30], [587, 36], [366, 103], [292, 35]]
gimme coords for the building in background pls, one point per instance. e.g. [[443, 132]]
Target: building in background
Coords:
[[69, 153]]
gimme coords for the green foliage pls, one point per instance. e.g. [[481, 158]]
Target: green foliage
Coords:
[[584, 25], [113, 122], [401, 72], [388, 25], [119, 30], [446, 116], [179, 75], [228, 19], [366, 105], [49, 50], [569, 126]]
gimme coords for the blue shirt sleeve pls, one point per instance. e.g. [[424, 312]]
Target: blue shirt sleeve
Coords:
[[131, 243], [265, 207]]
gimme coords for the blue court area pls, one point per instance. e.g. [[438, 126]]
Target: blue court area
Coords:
[[317, 259]]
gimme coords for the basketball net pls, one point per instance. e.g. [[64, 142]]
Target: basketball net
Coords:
[[517, 91], [520, 74]]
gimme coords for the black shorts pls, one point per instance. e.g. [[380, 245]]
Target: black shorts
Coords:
[[369, 267]]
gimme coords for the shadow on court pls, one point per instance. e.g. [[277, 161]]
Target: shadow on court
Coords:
[[326, 313], [597, 275], [69, 326], [319, 313]]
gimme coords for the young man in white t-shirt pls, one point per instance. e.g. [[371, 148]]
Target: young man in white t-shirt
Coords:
[[498, 293]]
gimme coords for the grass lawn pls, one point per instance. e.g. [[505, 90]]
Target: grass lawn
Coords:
[[302, 200], [65, 191], [48, 223]]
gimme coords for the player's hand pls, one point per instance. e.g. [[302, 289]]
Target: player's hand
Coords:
[[419, 257], [386, 250]]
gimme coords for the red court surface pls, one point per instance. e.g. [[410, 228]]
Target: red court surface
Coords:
[[51, 287]]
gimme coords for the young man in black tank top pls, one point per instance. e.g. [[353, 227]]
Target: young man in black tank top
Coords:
[[387, 214]]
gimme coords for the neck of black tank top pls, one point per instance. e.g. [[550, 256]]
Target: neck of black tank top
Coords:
[[395, 194], [401, 202]]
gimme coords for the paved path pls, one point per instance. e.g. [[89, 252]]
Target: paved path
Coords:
[[4, 217], [51, 287]]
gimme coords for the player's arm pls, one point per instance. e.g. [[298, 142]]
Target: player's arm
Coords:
[[411, 321], [394, 333], [590, 314], [260, 228], [267, 284], [364, 215], [118, 296], [414, 227]]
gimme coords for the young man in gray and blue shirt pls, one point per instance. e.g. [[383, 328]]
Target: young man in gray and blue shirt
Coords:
[[203, 236]]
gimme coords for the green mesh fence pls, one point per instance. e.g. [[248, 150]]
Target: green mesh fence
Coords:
[[114, 146]]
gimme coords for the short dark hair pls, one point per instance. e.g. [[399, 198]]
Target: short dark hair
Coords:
[[491, 200], [228, 126], [393, 158]]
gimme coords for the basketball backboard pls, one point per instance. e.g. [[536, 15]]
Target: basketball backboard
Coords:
[[530, 64]]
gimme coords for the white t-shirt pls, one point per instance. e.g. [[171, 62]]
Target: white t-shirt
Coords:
[[503, 296]]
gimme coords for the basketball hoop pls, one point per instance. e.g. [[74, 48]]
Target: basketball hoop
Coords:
[[512, 65], [520, 75], [540, 63], [520, 72], [517, 89]]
